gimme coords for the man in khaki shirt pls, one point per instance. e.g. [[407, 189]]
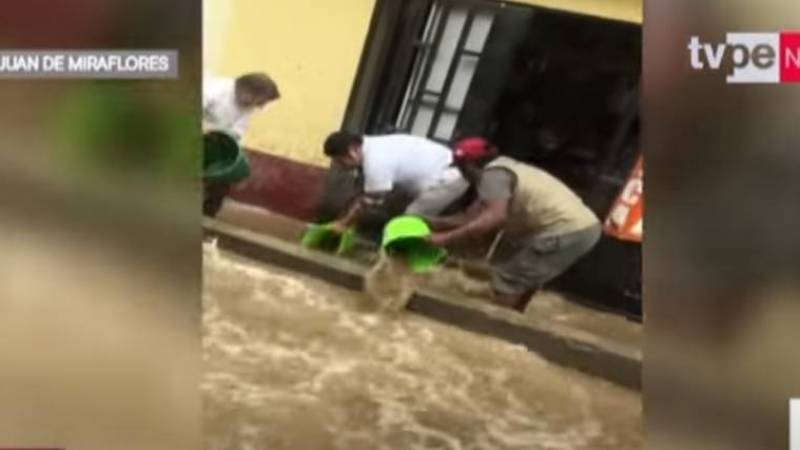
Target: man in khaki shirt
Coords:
[[545, 227]]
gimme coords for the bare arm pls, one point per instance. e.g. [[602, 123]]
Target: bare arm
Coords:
[[351, 215], [456, 220], [361, 203], [491, 216]]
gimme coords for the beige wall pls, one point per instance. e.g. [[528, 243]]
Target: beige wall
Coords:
[[216, 18], [310, 47]]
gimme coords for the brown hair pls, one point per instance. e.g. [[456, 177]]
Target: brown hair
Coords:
[[259, 84], [338, 143]]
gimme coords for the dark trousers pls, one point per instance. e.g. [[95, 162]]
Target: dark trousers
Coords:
[[213, 196], [535, 261]]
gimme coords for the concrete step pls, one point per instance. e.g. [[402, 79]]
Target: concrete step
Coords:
[[596, 343]]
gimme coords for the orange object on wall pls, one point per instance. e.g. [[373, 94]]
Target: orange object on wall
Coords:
[[625, 219]]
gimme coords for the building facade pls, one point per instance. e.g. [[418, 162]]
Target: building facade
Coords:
[[553, 82]]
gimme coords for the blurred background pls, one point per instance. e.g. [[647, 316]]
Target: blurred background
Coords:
[[100, 273], [722, 295]]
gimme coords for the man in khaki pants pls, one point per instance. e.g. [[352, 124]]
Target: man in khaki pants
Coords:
[[545, 227]]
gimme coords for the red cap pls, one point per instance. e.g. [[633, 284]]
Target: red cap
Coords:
[[472, 149]]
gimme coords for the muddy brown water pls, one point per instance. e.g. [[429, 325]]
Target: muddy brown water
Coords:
[[295, 363]]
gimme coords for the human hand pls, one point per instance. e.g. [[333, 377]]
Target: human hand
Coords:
[[438, 239], [339, 227], [436, 224]]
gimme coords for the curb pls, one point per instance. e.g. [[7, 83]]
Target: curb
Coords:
[[564, 346]]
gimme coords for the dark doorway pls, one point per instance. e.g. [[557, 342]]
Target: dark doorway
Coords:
[[555, 89]]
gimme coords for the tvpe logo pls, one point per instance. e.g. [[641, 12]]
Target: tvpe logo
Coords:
[[751, 57]]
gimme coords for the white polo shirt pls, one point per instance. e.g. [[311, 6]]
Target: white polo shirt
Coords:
[[410, 162], [220, 111]]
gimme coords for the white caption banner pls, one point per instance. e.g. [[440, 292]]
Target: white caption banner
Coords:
[[89, 64]]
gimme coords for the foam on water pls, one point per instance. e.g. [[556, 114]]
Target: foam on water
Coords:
[[294, 363], [390, 284]]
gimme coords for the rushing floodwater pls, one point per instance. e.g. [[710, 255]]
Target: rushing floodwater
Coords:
[[294, 363]]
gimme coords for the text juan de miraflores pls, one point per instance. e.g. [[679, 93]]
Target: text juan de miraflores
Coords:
[[83, 63]]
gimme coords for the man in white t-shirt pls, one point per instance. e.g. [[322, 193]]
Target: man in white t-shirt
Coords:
[[228, 104], [418, 166]]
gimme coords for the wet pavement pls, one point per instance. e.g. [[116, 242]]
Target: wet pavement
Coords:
[[548, 307], [295, 363]]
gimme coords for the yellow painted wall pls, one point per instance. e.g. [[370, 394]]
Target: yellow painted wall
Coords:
[[310, 47], [216, 20], [626, 10]]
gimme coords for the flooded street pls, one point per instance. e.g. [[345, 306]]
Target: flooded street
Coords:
[[295, 363]]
